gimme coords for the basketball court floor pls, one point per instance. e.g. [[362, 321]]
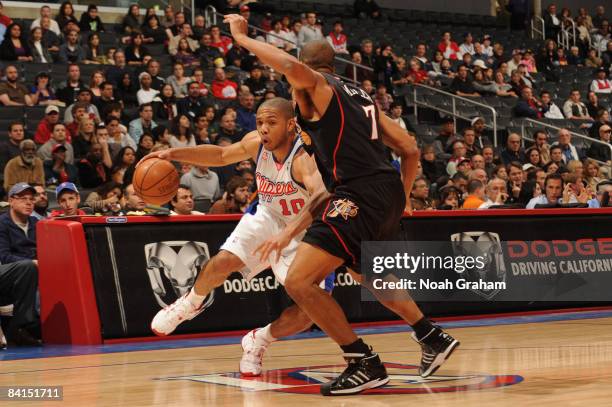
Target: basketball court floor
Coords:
[[533, 359]]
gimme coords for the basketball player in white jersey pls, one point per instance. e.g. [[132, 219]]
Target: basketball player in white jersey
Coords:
[[286, 178]]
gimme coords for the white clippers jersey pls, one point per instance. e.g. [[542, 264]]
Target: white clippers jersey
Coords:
[[277, 190]]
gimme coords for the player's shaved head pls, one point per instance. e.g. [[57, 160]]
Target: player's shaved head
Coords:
[[282, 105], [318, 55]]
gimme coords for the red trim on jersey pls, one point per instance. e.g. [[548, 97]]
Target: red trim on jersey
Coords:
[[336, 232], [340, 134]]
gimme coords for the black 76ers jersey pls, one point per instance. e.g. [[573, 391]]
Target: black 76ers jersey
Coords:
[[346, 140]]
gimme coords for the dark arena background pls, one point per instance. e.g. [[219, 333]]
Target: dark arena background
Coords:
[[505, 106]]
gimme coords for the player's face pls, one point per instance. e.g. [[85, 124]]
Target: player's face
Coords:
[[273, 128]]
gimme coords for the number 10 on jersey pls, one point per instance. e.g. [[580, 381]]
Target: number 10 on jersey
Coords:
[[295, 204]]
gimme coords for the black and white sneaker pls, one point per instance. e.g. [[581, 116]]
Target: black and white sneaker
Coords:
[[362, 373], [436, 347]]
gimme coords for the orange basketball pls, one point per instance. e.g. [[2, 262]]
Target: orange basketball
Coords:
[[156, 181]]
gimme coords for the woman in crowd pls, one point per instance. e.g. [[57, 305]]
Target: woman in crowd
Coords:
[[123, 160], [551, 168], [500, 172], [450, 197], [42, 93], [97, 78], [131, 21], [153, 32], [38, 47], [136, 51], [84, 138], [161, 136], [502, 88], [178, 80], [182, 133], [145, 144], [529, 190], [432, 168], [105, 198], [533, 157], [126, 91], [164, 104], [482, 85], [185, 55], [94, 52], [592, 175], [14, 47], [66, 15]]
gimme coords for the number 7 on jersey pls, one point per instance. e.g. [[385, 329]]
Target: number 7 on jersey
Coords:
[[370, 112]]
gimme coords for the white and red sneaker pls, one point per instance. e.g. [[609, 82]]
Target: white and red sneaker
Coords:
[[167, 319], [252, 354]]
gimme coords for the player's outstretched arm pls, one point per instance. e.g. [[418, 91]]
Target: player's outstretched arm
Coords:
[[404, 145], [304, 170], [212, 156]]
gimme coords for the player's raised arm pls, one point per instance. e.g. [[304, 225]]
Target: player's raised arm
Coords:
[[404, 145], [212, 156], [304, 170]]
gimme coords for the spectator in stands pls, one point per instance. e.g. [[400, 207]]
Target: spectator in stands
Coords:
[[146, 94], [136, 51], [476, 195], [601, 39], [94, 169], [458, 155], [115, 73], [69, 89], [310, 31], [24, 168], [71, 51], [66, 15], [116, 136], [208, 53], [18, 274], [245, 113], [513, 150], [57, 170], [556, 158], [516, 177], [41, 202], [85, 135], [51, 39], [45, 126], [467, 47], [45, 12], [396, 114], [145, 144], [193, 104], [601, 84], [488, 154], [432, 167], [552, 192], [185, 33], [153, 68], [125, 91], [183, 202], [445, 137], [123, 161], [462, 84], [528, 105], [106, 198], [448, 47], [257, 83], [14, 47], [450, 198], [382, 98], [41, 92], [131, 21], [223, 43], [416, 73], [574, 58], [90, 20], [469, 141], [338, 39], [601, 152], [479, 174], [131, 201], [144, 123], [234, 200], [153, 31], [58, 136], [478, 163], [182, 134], [502, 88], [276, 35], [419, 197], [178, 80], [165, 103], [533, 157], [606, 56], [569, 151], [223, 88], [496, 193], [592, 60], [552, 22], [12, 91], [529, 190], [38, 47], [421, 54], [9, 148], [386, 67], [202, 182], [594, 105], [550, 109], [602, 117]]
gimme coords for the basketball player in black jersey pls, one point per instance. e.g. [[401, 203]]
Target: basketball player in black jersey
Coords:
[[365, 201]]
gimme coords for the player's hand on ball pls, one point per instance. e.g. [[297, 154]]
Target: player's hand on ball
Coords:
[[163, 154], [238, 25], [276, 243]]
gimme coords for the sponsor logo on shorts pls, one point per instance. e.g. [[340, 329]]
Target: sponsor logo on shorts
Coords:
[[343, 207], [405, 379]]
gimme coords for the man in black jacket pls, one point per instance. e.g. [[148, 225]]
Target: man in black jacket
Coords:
[[601, 152]]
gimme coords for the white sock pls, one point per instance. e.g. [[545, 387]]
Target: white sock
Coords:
[[263, 336], [195, 299]]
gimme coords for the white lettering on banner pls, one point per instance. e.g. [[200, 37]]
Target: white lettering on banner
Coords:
[[540, 268], [259, 284], [345, 279]]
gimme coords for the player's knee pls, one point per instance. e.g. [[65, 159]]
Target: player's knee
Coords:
[[294, 286], [222, 265]]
